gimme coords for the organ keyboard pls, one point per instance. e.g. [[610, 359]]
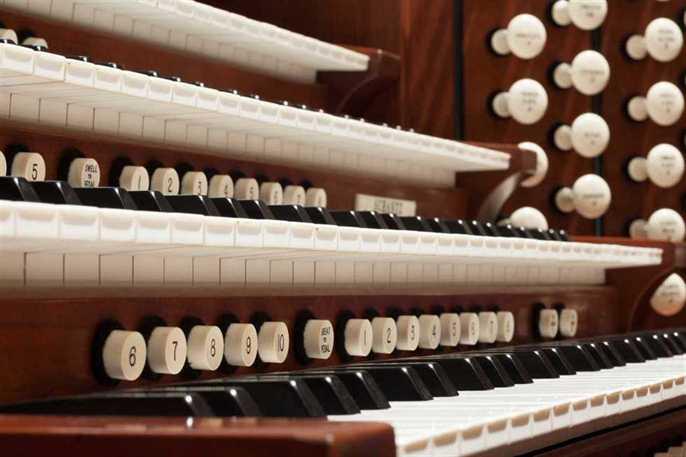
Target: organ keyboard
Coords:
[[219, 235]]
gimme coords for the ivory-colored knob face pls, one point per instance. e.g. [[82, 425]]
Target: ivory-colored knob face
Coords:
[[358, 337], [506, 327], [592, 196], [562, 75], [564, 200], [666, 225], [167, 350], [294, 195], [29, 165], [527, 101], [408, 333], [318, 339], [548, 323], [542, 164], [205, 347], [3, 164], [271, 193], [194, 183], [637, 109], [637, 169], [450, 329], [9, 34], [134, 178], [84, 172], [562, 137], [587, 14], [665, 165], [316, 196], [669, 298], [429, 331], [166, 181], [469, 329], [221, 186], [569, 323], [635, 47], [247, 189], [488, 327], [124, 355], [385, 335], [664, 103], [526, 36], [273, 342], [560, 13], [590, 135], [590, 72], [638, 229], [499, 43], [241, 345], [528, 217], [664, 39]]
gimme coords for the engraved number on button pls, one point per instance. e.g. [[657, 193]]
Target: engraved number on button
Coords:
[[132, 356]]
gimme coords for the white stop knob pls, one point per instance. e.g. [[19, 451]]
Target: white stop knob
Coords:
[[408, 333], [529, 217], [590, 72], [637, 108], [246, 189], [665, 165], [664, 39], [29, 165], [587, 14], [205, 347], [526, 36], [592, 196], [241, 345], [542, 164], [506, 327], [316, 196], [385, 335], [429, 331], [166, 181], [294, 195], [194, 183], [134, 178], [590, 135], [669, 298], [564, 200], [450, 329], [167, 350], [636, 47], [358, 337], [469, 329], [273, 342], [84, 172], [318, 339], [488, 327], [527, 101], [560, 13], [548, 323], [569, 323], [637, 169], [638, 229], [221, 186], [3, 164], [271, 193], [666, 225], [664, 103], [124, 354]]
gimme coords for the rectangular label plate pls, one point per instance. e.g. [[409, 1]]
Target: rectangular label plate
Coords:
[[397, 206]]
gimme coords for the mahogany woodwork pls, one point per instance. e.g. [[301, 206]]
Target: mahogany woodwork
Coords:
[[180, 437]]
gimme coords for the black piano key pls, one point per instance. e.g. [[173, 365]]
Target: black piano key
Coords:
[[598, 355], [627, 350], [539, 234], [559, 362], [464, 372], [105, 197], [331, 393], [398, 383], [476, 228], [224, 401], [192, 204], [372, 219], [56, 192], [655, 343], [290, 213], [457, 226], [229, 207], [514, 368], [393, 221], [643, 348], [490, 229], [554, 235], [151, 200], [679, 338], [256, 209], [521, 232], [671, 342], [168, 404], [319, 215], [562, 234], [415, 223], [578, 357], [536, 364], [507, 231], [437, 225], [275, 397], [361, 385], [17, 189], [347, 219], [494, 370], [611, 353], [433, 375]]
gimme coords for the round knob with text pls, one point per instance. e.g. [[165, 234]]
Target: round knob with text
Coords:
[[590, 197], [663, 104], [665, 224], [662, 40], [663, 166], [669, 298], [589, 73], [542, 164], [584, 14], [525, 37], [526, 102], [589, 135]]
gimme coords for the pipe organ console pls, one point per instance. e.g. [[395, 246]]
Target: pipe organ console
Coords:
[[342, 228]]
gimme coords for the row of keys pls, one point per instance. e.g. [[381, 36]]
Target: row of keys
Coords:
[[85, 172], [167, 349]]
